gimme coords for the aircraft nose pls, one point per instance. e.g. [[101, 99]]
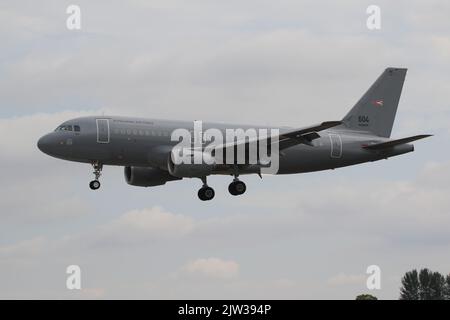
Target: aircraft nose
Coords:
[[44, 144]]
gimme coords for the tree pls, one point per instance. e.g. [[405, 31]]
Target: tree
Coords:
[[425, 285], [437, 286], [410, 286], [447, 288], [366, 297]]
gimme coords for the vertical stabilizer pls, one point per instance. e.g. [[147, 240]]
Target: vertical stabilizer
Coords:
[[375, 111]]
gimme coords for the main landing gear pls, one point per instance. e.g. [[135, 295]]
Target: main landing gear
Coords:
[[206, 192], [237, 187], [95, 184]]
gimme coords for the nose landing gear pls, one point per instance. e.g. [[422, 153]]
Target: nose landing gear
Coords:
[[95, 184]]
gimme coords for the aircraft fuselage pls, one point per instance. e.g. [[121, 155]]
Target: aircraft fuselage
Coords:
[[140, 142]]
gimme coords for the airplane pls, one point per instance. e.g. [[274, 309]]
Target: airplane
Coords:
[[144, 147]]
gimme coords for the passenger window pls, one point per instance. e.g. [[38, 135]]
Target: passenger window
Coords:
[[76, 128]]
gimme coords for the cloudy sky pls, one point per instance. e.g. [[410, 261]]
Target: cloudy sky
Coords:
[[263, 62]]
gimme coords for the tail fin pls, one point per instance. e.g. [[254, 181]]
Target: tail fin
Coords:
[[375, 111]]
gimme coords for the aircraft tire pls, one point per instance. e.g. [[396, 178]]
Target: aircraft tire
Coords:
[[206, 193], [237, 188], [94, 184]]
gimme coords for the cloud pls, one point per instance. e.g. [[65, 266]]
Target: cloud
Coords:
[[343, 279], [395, 208], [23, 251], [149, 224], [435, 175], [51, 206], [213, 268], [381, 212], [249, 61]]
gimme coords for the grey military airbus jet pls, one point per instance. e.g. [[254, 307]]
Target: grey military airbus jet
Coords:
[[145, 146]]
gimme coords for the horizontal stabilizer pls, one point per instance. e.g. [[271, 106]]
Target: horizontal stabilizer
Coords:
[[393, 143]]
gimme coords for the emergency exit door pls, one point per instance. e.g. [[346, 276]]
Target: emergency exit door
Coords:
[[336, 146], [102, 130]]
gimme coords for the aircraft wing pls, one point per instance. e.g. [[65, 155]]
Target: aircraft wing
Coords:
[[393, 143], [305, 135], [289, 138]]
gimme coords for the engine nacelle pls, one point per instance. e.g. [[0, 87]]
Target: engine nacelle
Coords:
[[147, 176], [188, 168]]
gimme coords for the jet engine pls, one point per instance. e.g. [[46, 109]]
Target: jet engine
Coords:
[[147, 176], [188, 166]]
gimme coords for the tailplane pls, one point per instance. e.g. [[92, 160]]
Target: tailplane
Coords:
[[375, 111], [393, 143]]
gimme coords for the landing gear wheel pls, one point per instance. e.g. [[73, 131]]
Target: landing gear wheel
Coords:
[[94, 184], [206, 193], [237, 188]]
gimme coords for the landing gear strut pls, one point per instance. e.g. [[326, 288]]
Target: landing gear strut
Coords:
[[95, 184], [206, 192]]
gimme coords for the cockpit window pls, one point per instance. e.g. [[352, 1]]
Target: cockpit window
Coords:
[[76, 128], [64, 128]]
